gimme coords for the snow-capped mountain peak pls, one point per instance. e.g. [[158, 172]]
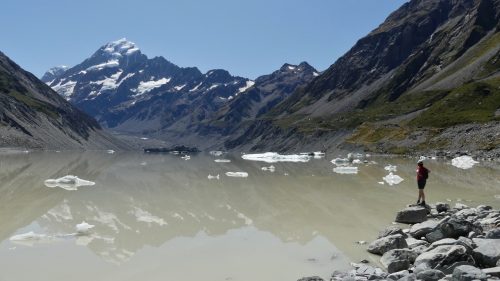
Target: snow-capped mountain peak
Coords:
[[121, 47], [54, 72]]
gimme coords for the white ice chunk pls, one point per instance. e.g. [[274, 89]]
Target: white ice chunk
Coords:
[[273, 157], [357, 161], [68, 182], [84, 228], [186, 157], [463, 162], [392, 179], [210, 177], [391, 168], [340, 161], [270, 169], [346, 170], [237, 174], [381, 182], [110, 151], [222, 160]]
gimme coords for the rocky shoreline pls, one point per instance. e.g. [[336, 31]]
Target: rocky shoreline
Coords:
[[457, 243]]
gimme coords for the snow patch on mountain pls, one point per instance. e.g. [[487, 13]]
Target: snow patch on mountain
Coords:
[[248, 85], [148, 86], [66, 89], [121, 47], [109, 64]]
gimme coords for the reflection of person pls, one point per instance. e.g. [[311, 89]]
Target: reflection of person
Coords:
[[422, 175]]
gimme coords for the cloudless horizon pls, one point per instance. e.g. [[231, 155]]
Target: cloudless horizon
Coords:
[[246, 38]]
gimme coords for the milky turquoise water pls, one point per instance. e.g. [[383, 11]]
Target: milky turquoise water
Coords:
[[158, 217]]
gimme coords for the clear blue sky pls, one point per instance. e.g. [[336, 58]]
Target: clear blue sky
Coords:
[[248, 38]]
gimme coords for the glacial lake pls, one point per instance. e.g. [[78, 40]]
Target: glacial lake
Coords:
[[158, 217]]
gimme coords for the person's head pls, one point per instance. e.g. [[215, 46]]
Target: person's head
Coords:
[[420, 163]]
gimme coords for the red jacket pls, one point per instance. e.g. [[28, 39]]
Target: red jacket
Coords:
[[422, 173]]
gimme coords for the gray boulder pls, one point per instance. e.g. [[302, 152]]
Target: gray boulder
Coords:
[[398, 275], [487, 252], [421, 229], [435, 235], [391, 230], [467, 273], [442, 207], [398, 259], [466, 242], [442, 257], [409, 277], [493, 234], [492, 271], [384, 244], [410, 215], [414, 243], [430, 275]]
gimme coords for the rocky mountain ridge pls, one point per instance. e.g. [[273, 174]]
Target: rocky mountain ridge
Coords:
[[32, 115]]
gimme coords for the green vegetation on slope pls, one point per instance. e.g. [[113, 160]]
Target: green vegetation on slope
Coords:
[[472, 102]]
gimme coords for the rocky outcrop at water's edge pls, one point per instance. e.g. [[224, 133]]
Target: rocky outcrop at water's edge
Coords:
[[459, 243]]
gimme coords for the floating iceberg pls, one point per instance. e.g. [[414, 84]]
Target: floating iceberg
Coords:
[[346, 170], [186, 157], [237, 174], [83, 228], [463, 162], [270, 169], [222, 160], [210, 177], [392, 179], [341, 161], [273, 157], [216, 153], [315, 154], [357, 161], [68, 182], [391, 168], [110, 151]]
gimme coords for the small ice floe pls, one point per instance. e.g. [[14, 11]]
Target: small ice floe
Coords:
[[315, 154], [216, 153], [83, 228], [391, 168], [357, 161], [273, 157], [392, 179], [144, 138], [463, 162], [346, 170], [68, 182], [381, 182], [222, 160], [110, 151], [341, 161], [210, 177], [271, 169], [362, 242], [186, 157], [237, 174]]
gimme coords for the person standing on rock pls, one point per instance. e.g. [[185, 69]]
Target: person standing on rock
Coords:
[[422, 175]]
